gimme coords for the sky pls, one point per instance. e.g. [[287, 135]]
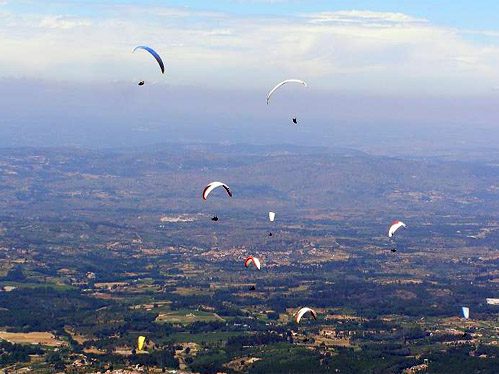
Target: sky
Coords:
[[368, 46], [429, 53]]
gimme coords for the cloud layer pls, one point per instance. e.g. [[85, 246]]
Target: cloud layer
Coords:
[[350, 50]]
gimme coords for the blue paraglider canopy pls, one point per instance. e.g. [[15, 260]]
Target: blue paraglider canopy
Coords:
[[154, 54]]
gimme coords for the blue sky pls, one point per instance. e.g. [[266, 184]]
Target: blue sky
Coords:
[[481, 14], [422, 46], [458, 13]]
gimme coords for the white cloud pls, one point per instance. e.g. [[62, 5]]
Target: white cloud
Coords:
[[165, 11], [363, 17], [492, 34], [345, 50], [63, 22]]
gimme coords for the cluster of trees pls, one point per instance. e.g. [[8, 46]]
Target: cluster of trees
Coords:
[[12, 353], [458, 360], [161, 358], [285, 358], [237, 343], [45, 308], [282, 358]]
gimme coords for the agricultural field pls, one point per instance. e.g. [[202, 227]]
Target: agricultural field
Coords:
[[42, 338]]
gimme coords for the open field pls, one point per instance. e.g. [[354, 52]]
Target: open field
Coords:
[[185, 291], [212, 337], [35, 285], [43, 338], [188, 316]]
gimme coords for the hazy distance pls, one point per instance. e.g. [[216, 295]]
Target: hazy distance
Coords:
[[119, 114]]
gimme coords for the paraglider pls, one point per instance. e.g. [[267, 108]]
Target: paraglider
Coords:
[[140, 342], [282, 84], [271, 218], [466, 312], [302, 312], [395, 226], [252, 260], [154, 54], [141, 83], [215, 218], [252, 288], [295, 121], [207, 190]]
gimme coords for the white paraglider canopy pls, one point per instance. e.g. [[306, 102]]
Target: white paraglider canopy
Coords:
[[282, 84], [302, 312], [207, 190], [252, 260], [394, 227], [466, 312]]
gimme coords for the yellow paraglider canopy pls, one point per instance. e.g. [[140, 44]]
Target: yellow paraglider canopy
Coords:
[[140, 342]]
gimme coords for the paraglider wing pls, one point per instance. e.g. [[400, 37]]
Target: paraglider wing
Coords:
[[154, 54], [207, 190], [394, 227], [254, 261], [140, 342], [466, 312], [302, 312], [282, 84], [271, 216]]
